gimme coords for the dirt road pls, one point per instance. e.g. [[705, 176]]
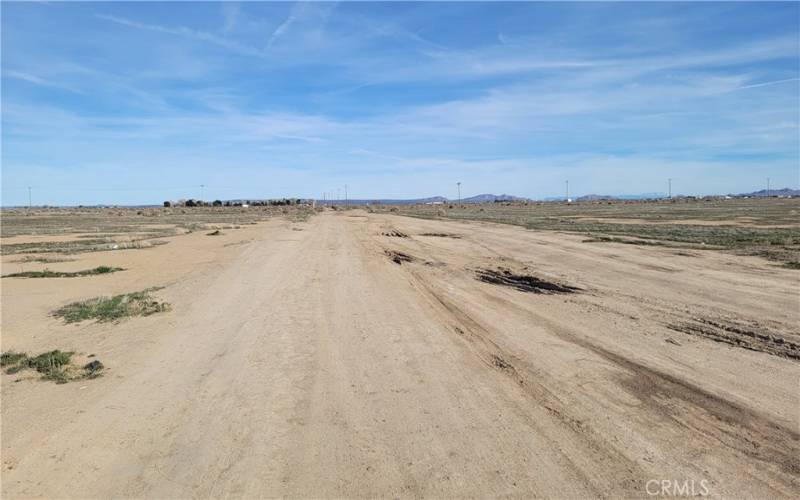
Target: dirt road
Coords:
[[308, 363]]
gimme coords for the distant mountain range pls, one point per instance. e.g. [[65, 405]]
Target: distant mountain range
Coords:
[[646, 196], [481, 198], [491, 198], [387, 201], [596, 197], [640, 196], [772, 192]]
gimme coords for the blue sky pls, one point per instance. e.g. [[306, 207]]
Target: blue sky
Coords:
[[141, 102]]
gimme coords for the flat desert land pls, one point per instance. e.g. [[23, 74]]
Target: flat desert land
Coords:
[[365, 353]]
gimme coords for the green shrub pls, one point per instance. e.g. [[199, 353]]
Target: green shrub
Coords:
[[47, 273], [114, 308]]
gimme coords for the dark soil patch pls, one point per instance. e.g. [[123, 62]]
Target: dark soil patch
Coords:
[[500, 362], [523, 282], [395, 234], [399, 257], [442, 235]]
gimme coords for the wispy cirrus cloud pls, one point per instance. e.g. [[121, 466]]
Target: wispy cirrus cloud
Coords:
[[282, 29], [36, 80], [767, 84], [221, 41], [370, 93]]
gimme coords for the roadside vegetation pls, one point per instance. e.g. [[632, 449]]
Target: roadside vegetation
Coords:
[[56, 366], [41, 258], [105, 224], [764, 227], [78, 246], [47, 273], [116, 308]]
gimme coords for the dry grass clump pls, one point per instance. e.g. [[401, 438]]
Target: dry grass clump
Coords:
[[104, 309], [42, 259], [47, 273], [53, 365]]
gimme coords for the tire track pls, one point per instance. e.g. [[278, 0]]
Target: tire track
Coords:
[[622, 475]]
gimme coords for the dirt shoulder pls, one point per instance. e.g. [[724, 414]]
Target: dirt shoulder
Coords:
[[308, 359]]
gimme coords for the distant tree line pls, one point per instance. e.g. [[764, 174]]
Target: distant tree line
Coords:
[[236, 203]]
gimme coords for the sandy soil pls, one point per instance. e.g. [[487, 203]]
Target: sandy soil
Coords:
[[300, 360]]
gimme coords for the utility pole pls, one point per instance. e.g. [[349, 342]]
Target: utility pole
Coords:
[[338, 195], [345, 195], [202, 188], [567, 197], [459, 192], [29, 197], [767, 187], [669, 187], [324, 200]]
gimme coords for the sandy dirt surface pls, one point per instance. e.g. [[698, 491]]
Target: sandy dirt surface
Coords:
[[358, 355]]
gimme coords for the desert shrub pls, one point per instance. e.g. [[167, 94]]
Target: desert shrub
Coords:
[[47, 273], [52, 365], [114, 308], [93, 369], [11, 358]]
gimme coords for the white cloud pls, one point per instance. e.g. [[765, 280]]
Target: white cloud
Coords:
[[31, 78], [766, 84], [281, 30], [189, 33]]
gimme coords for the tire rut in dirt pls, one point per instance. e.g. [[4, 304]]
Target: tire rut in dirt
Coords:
[[395, 234], [522, 282], [752, 337], [628, 477], [740, 429], [442, 235]]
